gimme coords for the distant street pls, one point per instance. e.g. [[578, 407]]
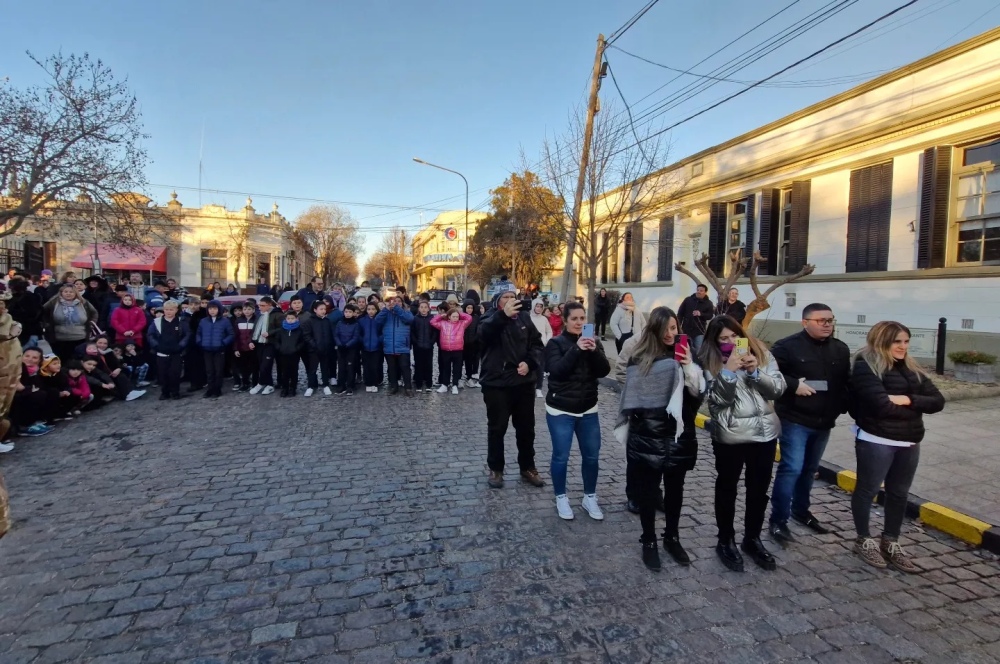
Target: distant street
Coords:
[[256, 529]]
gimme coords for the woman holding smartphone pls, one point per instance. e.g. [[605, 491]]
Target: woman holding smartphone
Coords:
[[575, 363], [744, 381], [890, 395], [656, 424]]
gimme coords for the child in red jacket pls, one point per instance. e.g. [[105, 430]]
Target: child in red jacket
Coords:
[[129, 322], [451, 343]]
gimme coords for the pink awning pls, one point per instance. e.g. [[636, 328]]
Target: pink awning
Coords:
[[143, 259]]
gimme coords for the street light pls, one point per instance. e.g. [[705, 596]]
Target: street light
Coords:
[[465, 254]]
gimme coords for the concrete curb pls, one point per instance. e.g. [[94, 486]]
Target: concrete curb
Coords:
[[962, 526]]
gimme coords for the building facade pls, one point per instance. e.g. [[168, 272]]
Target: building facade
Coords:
[[196, 246], [439, 251], [891, 190]]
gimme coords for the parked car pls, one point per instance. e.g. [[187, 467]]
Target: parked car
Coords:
[[440, 295], [229, 300], [285, 300]]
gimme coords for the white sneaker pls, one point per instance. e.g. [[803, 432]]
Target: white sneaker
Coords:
[[442, 389], [454, 389], [134, 394], [374, 388], [142, 383], [256, 389], [473, 382], [6, 447], [327, 391], [538, 394], [268, 389], [590, 505], [562, 506], [333, 382], [308, 392]]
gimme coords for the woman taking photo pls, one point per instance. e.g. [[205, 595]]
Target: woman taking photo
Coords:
[[744, 381], [574, 364], [656, 423], [890, 394]]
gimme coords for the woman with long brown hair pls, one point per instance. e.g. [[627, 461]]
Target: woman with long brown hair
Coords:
[[890, 395], [744, 381]]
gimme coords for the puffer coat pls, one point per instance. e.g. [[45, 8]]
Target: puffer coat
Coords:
[[874, 413], [652, 433], [742, 406], [573, 373]]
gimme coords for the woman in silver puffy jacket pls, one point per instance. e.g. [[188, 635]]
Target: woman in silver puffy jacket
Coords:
[[743, 383]]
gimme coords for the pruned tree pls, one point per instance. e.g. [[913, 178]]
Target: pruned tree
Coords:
[[74, 137], [738, 265], [237, 238], [624, 185], [522, 235], [392, 260], [335, 239]]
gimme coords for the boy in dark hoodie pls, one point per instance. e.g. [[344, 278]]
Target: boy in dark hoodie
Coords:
[[347, 336], [290, 344], [244, 353], [470, 354], [423, 336]]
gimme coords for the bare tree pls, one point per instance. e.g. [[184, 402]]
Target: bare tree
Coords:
[[737, 268], [623, 185], [78, 134], [395, 253], [237, 238], [335, 239]]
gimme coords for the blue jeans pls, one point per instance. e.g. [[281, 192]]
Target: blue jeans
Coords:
[[588, 434], [696, 343], [801, 451]]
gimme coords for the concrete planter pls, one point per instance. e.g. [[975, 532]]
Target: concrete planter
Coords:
[[975, 373]]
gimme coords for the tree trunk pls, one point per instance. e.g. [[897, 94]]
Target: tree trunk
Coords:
[[756, 306], [591, 297]]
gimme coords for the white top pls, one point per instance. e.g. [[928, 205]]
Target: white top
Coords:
[[861, 434], [552, 411]]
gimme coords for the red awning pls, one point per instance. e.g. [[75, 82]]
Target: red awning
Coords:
[[143, 259]]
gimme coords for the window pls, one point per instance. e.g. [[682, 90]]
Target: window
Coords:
[[977, 206], [633, 253], [213, 265], [784, 230], [737, 226]]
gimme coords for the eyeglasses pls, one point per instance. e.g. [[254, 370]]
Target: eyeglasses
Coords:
[[822, 321]]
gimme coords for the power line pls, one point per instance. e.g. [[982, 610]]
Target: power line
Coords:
[[778, 73], [299, 198], [632, 21]]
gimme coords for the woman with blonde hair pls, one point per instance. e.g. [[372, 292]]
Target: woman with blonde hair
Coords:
[[890, 393], [744, 381]]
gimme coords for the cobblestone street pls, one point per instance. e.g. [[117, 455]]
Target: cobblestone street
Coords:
[[258, 529]]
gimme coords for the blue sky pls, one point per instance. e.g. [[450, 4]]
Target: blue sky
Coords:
[[331, 100]]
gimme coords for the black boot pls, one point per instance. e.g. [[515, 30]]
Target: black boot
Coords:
[[730, 555], [651, 556], [632, 506], [755, 549], [672, 545]]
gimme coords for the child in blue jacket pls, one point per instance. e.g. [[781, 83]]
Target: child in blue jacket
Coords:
[[347, 336], [371, 347], [393, 323]]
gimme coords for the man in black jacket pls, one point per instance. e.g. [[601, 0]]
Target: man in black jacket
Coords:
[[512, 353], [694, 314], [817, 368]]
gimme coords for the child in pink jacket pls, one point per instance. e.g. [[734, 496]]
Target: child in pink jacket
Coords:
[[451, 343], [129, 322]]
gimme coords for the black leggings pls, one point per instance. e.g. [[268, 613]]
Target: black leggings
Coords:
[[649, 496], [371, 361], [730, 459], [399, 367], [471, 357], [449, 367]]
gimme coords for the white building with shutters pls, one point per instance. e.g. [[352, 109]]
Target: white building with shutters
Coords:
[[891, 189]]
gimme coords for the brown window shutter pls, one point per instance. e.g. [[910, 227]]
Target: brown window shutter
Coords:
[[798, 242], [868, 217], [637, 233], [605, 252], [665, 250], [750, 228], [717, 232], [770, 224], [935, 195]]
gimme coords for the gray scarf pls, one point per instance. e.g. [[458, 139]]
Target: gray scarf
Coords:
[[662, 387]]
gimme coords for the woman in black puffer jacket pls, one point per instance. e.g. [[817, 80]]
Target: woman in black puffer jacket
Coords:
[[890, 394], [661, 387], [574, 365]]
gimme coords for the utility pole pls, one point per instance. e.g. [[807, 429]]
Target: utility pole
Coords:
[[588, 134]]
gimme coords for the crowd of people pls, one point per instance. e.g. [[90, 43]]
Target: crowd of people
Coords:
[[109, 345]]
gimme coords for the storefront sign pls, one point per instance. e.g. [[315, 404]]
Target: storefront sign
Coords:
[[923, 343], [450, 233], [443, 258]]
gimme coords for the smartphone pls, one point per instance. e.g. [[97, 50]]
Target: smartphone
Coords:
[[681, 343], [742, 346], [588, 331], [818, 385]]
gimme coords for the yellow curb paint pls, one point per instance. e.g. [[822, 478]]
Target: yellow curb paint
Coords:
[[847, 480], [954, 523], [701, 420]]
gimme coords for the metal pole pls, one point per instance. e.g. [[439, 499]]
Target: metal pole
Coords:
[[942, 342], [465, 255]]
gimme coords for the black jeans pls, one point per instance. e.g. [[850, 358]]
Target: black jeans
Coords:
[[169, 370], [266, 353], [620, 341], [371, 361], [471, 357], [423, 367], [316, 362], [245, 368], [449, 367], [601, 323], [65, 350], [515, 404], [288, 372], [194, 367], [878, 463], [399, 367], [649, 496], [730, 460], [347, 359], [215, 364]]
